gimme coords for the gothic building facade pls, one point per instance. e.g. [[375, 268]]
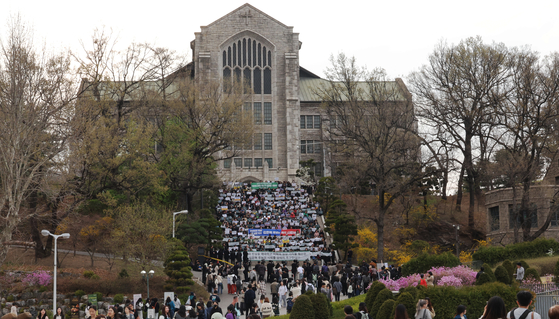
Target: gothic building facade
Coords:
[[250, 45]]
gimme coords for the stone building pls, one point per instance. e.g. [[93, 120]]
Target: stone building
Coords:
[[249, 44], [499, 204]]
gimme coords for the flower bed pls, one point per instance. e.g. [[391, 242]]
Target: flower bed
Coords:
[[444, 276]]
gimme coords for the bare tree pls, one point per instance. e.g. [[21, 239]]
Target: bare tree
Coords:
[[456, 94], [527, 121], [375, 120], [36, 95]]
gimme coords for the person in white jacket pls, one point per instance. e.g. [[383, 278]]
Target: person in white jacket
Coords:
[[283, 294]]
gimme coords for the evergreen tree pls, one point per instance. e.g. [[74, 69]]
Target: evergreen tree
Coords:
[[177, 267]]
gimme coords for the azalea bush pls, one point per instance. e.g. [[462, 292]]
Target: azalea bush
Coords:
[[443, 276], [37, 278]]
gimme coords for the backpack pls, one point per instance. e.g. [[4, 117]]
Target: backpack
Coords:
[[523, 315], [325, 269], [314, 277], [364, 315], [289, 305], [334, 290]]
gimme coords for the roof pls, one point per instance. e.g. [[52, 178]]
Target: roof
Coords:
[[309, 86]]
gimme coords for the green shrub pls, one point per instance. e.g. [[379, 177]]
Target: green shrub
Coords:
[[10, 298], [302, 308], [385, 311], [412, 291], [119, 298], [445, 299], [177, 267], [88, 274], [426, 261], [320, 305], [382, 296], [95, 276], [508, 266], [79, 293], [372, 293], [536, 248], [406, 299], [42, 288], [487, 270], [532, 273], [502, 275], [99, 296], [483, 279], [123, 274]]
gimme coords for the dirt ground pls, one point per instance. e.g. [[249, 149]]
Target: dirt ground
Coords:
[[24, 259]]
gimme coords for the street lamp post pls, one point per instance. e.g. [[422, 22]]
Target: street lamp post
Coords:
[[457, 227], [174, 216], [45, 233], [147, 276]]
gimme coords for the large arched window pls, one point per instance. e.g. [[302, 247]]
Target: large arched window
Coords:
[[253, 60]]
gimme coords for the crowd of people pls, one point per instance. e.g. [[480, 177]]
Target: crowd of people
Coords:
[[274, 217]]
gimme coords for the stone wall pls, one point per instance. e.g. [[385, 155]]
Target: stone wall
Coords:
[[540, 195]]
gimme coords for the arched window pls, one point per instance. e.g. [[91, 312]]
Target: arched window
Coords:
[[267, 81], [234, 54], [245, 59], [257, 81]]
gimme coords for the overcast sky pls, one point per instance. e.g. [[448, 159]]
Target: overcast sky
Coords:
[[395, 35]]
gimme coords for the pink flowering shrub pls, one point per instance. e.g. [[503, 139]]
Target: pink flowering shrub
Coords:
[[466, 275], [38, 278], [450, 281], [444, 276]]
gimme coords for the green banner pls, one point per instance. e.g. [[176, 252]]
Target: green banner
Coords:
[[92, 299], [264, 185]]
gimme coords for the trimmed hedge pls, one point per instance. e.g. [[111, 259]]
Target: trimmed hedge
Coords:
[[483, 279], [372, 293], [412, 291], [487, 269], [385, 311], [502, 275], [382, 296], [302, 308], [320, 305], [533, 273], [445, 298], [425, 262], [536, 248], [508, 266], [406, 299]]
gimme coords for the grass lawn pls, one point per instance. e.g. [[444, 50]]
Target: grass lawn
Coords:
[[544, 265]]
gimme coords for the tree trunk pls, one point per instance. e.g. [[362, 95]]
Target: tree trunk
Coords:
[[380, 226], [525, 210], [460, 191], [469, 168]]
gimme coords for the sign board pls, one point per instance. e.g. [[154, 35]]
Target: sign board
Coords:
[[151, 313], [92, 299], [168, 294], [264, 185]]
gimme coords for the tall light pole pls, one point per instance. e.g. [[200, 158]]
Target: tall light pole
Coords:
[[457, 227], [174, 216], [147, 276], [45, 233]]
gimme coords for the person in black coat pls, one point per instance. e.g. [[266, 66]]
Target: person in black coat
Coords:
[[270, 267], [245, 255], [250, 296]]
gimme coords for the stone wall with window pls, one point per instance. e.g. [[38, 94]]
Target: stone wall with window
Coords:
[[501, 212]]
